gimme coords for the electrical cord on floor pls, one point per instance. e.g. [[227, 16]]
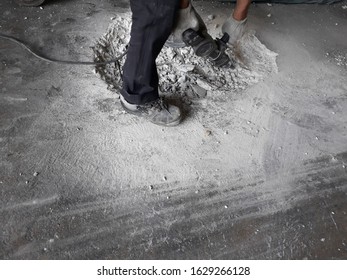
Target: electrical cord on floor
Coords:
[[47, 59]]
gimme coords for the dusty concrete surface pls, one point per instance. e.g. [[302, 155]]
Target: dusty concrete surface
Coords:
[[258, 174]]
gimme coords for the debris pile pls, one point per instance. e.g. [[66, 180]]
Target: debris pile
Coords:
[[181, 72]]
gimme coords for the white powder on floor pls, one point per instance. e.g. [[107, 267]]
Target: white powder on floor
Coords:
[[181, 72]]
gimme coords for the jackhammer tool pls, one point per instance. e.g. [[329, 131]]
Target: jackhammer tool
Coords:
[[205, 46]]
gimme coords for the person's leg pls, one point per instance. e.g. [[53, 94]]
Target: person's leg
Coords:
[[152, 22]]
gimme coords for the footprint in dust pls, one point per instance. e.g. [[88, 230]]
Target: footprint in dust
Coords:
[[107, 105]]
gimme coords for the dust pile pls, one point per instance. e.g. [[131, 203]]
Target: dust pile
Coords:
[[181, 72]]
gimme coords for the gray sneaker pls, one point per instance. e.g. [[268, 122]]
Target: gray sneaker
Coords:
[[158, 112]]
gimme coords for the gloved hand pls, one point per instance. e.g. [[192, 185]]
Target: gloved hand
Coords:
[[186, 18], [235, 29]]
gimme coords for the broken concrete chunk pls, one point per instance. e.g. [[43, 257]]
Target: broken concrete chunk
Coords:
[[186, 67], [172, 77], [208, 132], [182, 80], [199, 91], [203, 84]]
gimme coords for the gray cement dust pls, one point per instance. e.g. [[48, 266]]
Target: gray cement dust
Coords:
[[256, 171]]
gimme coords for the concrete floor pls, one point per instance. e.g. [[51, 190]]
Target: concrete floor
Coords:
[[75, 172]]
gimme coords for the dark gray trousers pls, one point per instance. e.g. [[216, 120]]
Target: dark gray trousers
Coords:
[[152, 23]]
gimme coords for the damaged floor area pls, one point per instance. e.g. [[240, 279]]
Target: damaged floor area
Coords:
[[257, 170]]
